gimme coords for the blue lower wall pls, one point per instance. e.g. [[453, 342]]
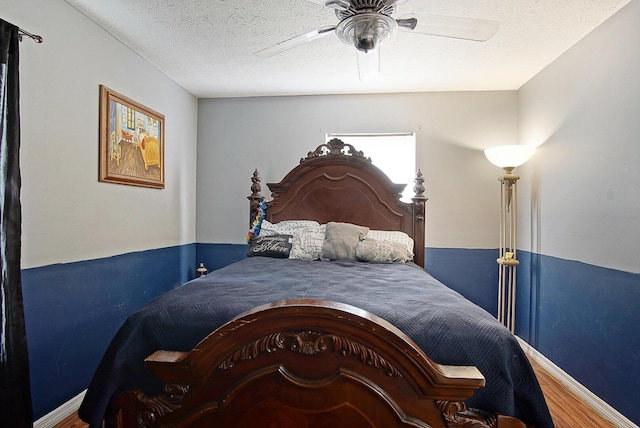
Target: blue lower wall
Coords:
[[471, 272], [215, 256], [73, 310], [582, 317], [585, 319]]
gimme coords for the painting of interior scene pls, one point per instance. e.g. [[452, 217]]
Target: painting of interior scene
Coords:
[[134, 143]]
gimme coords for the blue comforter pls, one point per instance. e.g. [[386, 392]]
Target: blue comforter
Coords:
[[448, 327]]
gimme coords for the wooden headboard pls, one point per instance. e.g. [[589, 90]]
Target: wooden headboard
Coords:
[[338, 183]]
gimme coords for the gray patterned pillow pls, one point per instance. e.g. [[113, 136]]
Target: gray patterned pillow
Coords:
[[373, 250]]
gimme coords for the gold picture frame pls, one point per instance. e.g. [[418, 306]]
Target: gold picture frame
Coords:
[[131, 142]]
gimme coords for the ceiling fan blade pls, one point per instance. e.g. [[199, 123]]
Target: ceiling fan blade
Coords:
[[295, 41], [347, 2], [478, 30], [334, 4]]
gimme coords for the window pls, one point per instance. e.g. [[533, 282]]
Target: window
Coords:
[[394, 154], [131, 118]]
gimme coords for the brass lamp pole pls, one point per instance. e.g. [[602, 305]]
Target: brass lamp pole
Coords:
[[508, 158]]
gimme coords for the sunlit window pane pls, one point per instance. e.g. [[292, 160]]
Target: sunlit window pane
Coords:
[[395, 154]]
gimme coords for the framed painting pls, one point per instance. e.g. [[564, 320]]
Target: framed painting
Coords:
[[131, 142]]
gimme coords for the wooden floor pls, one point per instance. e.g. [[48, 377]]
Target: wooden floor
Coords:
[[567, 410], [72, 421]]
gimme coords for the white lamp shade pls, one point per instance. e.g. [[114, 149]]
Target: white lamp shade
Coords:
[[509, 156]]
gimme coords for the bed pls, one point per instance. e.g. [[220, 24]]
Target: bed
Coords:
[[277, 341], [150, 149]]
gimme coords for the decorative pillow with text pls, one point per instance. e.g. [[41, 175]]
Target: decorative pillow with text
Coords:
[[278, 246]]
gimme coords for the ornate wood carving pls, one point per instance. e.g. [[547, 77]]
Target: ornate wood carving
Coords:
[[256, 188], [419, 212], [310, 343], [366, 355], [266, 344], [456, 415], [419, 199], [255, 197], [418, 187], [336, 147], [152, 408]]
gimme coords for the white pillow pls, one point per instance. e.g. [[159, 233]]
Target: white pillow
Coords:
[[373, 250], [393, 236], [307, 243], [286, 227]]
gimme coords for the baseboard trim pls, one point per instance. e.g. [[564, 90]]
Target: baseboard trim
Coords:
[[592, 400], [59, 414]]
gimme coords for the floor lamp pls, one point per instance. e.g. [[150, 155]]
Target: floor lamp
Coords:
[[508, 158]]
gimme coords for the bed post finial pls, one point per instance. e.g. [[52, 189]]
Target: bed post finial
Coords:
[[418, 186], [255, 197]]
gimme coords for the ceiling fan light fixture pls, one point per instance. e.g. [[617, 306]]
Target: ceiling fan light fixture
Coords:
[[366, 41], [366, 31], [368, 63]]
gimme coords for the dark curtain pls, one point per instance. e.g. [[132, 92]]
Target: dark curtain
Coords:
[[15, 395]]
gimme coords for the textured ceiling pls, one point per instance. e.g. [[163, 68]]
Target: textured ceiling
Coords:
[[208, 46]]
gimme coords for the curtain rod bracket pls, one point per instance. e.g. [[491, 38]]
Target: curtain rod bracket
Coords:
[[35, 37]]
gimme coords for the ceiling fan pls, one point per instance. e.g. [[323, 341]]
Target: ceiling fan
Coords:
[[366, 24]]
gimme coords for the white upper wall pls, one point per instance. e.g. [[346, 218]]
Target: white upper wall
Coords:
[[581, 191], [67, 214], [235, 136]]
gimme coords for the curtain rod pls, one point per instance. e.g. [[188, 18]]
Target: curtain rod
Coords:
[[35, 37]]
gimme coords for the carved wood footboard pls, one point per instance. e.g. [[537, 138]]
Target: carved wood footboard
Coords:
[[305, 363]]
